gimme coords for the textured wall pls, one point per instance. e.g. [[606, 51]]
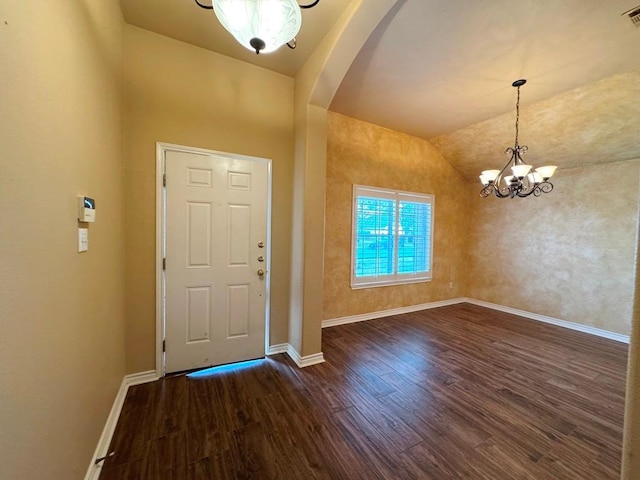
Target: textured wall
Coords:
[[315, 85], [596, 123], [568, 254], [362, 153], [178, 93], [62, 339]]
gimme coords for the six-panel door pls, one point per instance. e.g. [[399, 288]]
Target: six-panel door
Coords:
[[216, 232]]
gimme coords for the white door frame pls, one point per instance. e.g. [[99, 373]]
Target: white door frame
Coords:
[[161, 149]]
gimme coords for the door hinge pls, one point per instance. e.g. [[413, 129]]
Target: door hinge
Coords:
[[164, 346], [164, 264], [164, 179]]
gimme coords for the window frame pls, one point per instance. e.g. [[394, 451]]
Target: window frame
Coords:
[[395, 278]]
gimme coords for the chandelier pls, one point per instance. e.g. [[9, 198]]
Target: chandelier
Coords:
[[522, 182], [260, 25]]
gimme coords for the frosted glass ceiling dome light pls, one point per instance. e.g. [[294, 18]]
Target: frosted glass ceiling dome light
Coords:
[[260, 25], [522, 183]]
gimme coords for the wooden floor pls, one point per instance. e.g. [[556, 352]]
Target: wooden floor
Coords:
[[458, 392]]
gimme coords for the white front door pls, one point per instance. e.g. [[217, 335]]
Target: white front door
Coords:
[[216, 259]]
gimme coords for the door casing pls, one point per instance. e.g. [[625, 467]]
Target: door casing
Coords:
[[161, 149]]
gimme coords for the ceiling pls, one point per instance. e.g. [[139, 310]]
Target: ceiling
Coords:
[[444, 65], [183, 20], [442, 70], [596, 123]]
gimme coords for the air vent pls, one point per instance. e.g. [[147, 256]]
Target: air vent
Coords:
[[634, 15]]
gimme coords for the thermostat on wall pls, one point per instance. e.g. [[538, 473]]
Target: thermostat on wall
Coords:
[[86, 209]]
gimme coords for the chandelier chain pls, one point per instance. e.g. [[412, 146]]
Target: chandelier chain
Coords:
[[517, 116]]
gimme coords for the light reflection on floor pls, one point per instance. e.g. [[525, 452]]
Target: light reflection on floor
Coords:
[[231, 367]]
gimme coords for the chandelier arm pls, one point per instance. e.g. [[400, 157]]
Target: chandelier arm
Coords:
[[499, 177], [311, 5], [537, 190], [518, 155], [522, 183], [500, 194], [526, 193], [206, 7], [510, 162], [545, 187]]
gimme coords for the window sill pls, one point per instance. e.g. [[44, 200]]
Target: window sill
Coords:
[[389, 283]]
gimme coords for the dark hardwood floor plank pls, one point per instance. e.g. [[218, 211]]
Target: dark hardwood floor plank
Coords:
[[367, 445], [171, 397], [458, 392], [130, 439], [166, 457]]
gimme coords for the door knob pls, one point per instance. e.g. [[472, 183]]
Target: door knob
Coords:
[[261, 273]]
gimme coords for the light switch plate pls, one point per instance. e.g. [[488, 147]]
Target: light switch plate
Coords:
[[83, 239]]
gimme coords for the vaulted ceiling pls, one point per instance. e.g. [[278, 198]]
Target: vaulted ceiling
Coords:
[[183, 20], [442, 70]]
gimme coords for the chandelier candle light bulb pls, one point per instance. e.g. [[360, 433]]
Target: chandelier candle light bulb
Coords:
[[490, 175], [521, 171], [535, 177], [509, 179], [523, 182], [546, 172]]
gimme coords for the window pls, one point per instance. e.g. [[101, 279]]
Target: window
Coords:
[[391, 238]]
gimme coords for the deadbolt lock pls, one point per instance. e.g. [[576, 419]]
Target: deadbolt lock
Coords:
[[261, 244], [261, 258]]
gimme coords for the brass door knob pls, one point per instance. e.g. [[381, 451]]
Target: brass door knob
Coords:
[[261, 273]]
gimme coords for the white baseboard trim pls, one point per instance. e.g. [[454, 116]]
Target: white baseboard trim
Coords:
[[388, 313], [618, 337], [280, 348], [140, 378], [305, 361], [112, 420], [295, 356]]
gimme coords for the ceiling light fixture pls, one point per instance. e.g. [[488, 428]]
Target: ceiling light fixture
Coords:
[[522, 182], [260, 25]]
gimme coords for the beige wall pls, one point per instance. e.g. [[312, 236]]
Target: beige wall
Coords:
[[62, 340], [178, 93], [568, 254], [362, 153], [631, 440], [315, 85]]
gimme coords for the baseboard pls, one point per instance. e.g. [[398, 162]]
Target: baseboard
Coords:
[[112, 420], [388, 313], [276, 349], [305, 361], [295, 356], [618, 337], [141, 377]]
